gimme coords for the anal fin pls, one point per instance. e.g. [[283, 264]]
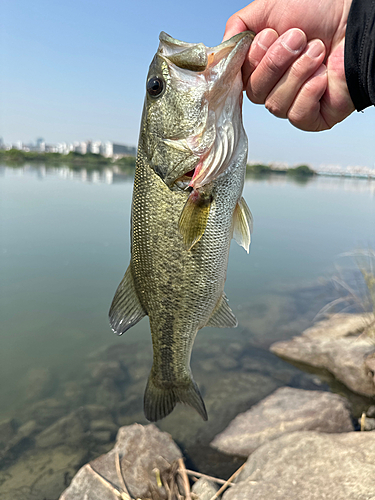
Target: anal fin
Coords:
[[126, 310], [243, 224], [194, 217], [223, 317]]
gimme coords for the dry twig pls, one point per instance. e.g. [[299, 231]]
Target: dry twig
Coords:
[[363, 421], [119, 493], [121, 476], [205, 476], [225, 486], [182, 471]]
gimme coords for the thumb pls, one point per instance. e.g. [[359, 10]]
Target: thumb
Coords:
[[253, 17]]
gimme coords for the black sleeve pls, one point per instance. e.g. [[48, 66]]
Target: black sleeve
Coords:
[[360, 53]]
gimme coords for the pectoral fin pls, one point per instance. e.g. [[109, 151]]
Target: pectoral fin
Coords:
[[243, 224], [194, 217], [223, 317], [126, 310]]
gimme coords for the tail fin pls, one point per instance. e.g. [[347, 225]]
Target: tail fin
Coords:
[[160, 401]]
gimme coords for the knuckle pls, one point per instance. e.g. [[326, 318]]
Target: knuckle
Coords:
[[298, 118], [274, 64], [255, 95], [301, 68], [304, 119], [275, 107]]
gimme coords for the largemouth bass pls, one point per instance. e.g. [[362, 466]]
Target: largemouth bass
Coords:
[[186, 208]]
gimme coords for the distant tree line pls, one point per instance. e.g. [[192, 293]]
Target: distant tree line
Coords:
[[126, 163], [259, 169], [73, 159]]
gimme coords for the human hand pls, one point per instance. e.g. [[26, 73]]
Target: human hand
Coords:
[[295, 65]]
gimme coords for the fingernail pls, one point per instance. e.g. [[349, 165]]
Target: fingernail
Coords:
[[315, 49], [266, 38], [294, 40]]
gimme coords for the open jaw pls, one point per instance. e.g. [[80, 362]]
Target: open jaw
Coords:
[[185, 179], [217, 140]]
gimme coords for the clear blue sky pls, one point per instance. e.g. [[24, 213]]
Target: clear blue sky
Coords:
[[75, 70]]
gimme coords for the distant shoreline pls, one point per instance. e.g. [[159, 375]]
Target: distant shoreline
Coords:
[[126, 164]]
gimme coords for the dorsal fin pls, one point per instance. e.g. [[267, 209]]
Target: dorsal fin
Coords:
[[243, 224]]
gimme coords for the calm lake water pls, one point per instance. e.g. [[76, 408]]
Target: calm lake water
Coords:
[[64, 248]]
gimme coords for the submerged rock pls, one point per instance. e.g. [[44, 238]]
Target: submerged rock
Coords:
[[108, 394], [310, 465], [39, 383], [69, 430], [40, 474], [141, 450], [46, 411], [113, 370], [78, 427], [335, 345], [7, 430], [286, 410]]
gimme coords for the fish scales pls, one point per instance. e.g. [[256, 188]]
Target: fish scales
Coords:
[[181, 289]]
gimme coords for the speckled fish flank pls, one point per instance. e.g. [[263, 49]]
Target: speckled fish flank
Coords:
[[186, 208]]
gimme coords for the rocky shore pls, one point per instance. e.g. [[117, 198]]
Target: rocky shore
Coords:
[[298, 444], [261, 409]]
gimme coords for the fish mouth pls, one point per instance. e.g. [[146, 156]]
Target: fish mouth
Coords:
[[196, 56], [183, 182], [215, 141]]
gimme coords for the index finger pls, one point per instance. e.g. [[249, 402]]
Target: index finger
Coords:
[[234, 26]]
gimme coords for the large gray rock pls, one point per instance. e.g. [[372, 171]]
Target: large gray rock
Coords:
[[312, 466], [142, 449], [227, 395], [286, 410], [336, 346]]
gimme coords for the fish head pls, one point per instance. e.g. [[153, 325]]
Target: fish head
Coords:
[[192, 95]]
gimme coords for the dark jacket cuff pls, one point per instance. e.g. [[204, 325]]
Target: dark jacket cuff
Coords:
[[360, 53]]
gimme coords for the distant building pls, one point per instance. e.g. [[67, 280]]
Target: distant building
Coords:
[[97, 148], [38, 142], [113, 149], [108, 148]]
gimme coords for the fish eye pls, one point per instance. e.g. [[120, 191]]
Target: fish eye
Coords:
[[155, 86]]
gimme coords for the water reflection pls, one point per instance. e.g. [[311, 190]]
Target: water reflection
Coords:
[[105, 176], [70, 382], [112, 175]]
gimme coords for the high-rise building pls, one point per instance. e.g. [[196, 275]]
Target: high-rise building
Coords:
[[38, 143]]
